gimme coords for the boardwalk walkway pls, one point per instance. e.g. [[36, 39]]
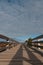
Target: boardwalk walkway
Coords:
[[20, 55]]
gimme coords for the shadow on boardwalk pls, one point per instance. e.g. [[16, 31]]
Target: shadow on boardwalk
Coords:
[[33, 59], [18, 58], [37, 51]]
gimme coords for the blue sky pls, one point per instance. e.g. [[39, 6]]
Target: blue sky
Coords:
[[26, 37], [21, 18]]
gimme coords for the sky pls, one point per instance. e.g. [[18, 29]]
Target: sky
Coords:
[[20, 19]]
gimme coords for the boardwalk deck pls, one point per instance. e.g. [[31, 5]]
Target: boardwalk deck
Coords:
[[20, 55]]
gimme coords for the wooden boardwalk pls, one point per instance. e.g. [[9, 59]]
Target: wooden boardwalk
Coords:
[[20, 55]]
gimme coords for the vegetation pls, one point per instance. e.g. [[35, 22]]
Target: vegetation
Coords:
[[29, 42]]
